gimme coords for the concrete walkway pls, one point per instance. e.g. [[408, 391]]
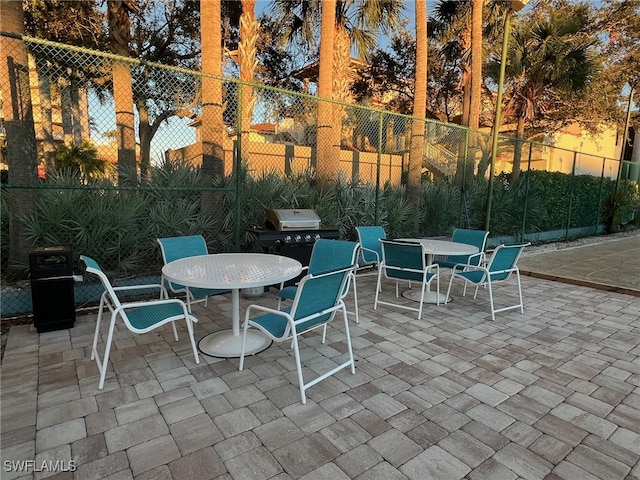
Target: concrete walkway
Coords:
[[549, 394], [611, 263]]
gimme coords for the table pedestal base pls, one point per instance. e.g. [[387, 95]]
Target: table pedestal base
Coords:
[[225, 344], [429, 296]]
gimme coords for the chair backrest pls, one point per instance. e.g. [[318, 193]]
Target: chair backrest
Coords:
[[403, 260], [93, 267], [175, 248], [369, 240], [477, 238], [318, 296], [328, 255], [503, 261]]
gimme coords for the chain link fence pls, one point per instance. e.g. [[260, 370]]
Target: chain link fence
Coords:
[[265, 155]]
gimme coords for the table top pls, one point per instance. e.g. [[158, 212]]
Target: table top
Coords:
[[232, 270], [443, 247]]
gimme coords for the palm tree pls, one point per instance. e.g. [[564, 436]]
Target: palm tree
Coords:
[[249, 29], [119, 38], [212, 127], [476, 63], [419, 108], [326, 155], [356, 23], [550, 56], [17, 113]]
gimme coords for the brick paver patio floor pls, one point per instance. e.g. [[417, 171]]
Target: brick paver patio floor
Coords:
[[549, 394]]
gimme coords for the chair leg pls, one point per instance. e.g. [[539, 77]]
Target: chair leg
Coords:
[[193, 340], [244, 343], [188, 300], [355, 299], [520, 292], [296, 352], [175, 331], [97, 331], [378, 290], [346, 330], [107, 350], [423, 288], [493, 313], [449, 289]]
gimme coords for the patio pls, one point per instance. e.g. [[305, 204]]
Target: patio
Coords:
[[549, 394]]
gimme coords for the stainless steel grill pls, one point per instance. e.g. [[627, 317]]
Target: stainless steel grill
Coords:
[[292, 219], [292, 233]]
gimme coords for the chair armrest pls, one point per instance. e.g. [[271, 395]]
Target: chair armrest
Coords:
[[466, 267], [372, 251], [130, 305], [138, 287], [148, 286], [261, 308]]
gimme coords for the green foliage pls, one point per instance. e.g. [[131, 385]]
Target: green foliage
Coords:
[[440, 211], [81, 160], [118, 226], [621, 208]]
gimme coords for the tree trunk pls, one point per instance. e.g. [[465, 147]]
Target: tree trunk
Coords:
[[212, 127], [414, 179], [17, 111], [119, 36], [517, 150], [341, 74], [324, 137], [476, 63], [476, 86], [144, 132], [249, 29], [40, 67]]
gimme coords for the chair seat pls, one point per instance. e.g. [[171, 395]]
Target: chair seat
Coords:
[[149, 316], [287, 293], [473, 276], [205, 292], [446, 263], [271, 323]]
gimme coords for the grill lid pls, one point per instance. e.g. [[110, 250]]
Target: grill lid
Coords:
[[291, 219]]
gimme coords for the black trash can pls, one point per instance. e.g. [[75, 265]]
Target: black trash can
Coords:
[[52, 296]]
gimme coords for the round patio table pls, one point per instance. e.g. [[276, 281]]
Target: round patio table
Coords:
[[232, 271], [431, 248]]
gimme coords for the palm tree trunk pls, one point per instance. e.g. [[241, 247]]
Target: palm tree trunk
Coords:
[[476, 63], [119, 36], [212, 127], [40, 67], [414, 179], [249, 29], [341, 74], [17, 112], [324, 137], [517, 151], [476, 85]]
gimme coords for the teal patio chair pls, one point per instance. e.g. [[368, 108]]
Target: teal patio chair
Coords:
[[404, 261], [139, 317], [328, 255], [370, 249], [318, 298], [175, 248], [477, 238], [499, 268]]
